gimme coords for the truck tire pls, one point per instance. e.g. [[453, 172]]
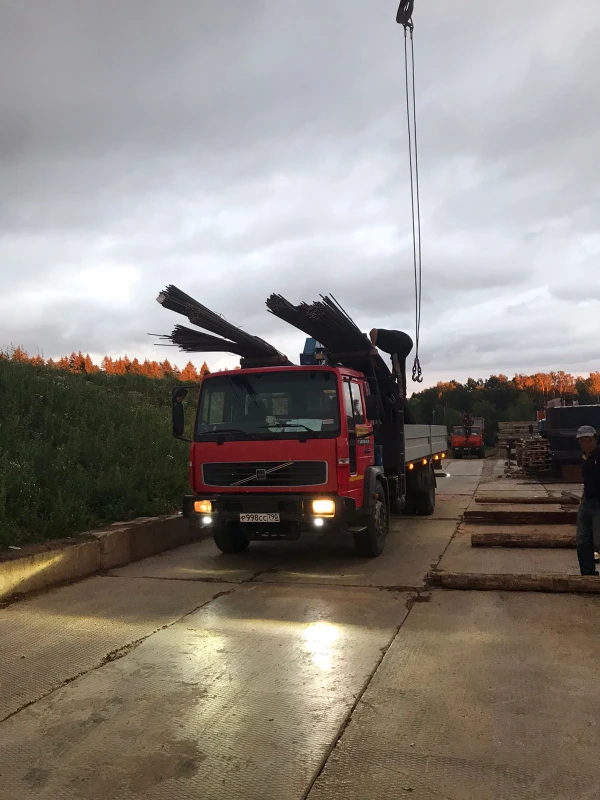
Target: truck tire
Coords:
[[425, 502], [409, 508], [458, 454], [230, 538], [396, 505], [481, 453], [370, 542], [422, 502]]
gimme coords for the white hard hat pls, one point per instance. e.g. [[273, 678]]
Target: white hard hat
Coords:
[[585, 431]]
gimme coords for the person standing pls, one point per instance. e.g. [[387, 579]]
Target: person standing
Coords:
[[588, 516], [398, 345]]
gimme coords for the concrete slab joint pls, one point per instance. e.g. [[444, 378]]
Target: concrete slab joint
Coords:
[[120, 544]]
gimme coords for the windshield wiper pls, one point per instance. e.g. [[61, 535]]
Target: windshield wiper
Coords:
[[290, 424], [226, 430]]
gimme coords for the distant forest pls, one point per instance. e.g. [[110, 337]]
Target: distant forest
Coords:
[[80, 363], [501, 399], [496, 399]]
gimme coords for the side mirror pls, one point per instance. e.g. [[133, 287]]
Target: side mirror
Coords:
[[177, 398], [374, 407]]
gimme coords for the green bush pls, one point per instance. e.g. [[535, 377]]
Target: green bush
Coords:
[[77, 451]]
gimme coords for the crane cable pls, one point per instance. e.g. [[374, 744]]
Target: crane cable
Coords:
[[404, 18]]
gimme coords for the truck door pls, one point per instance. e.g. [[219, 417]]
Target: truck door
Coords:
[[365, 444], [360, 442]]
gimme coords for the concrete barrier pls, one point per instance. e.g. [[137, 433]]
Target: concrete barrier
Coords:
[[41, 566]]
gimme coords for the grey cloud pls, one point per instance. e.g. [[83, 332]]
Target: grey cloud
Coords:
[[238, 149]]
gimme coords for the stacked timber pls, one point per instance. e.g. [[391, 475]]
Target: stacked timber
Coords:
[[535, 455], [519, 453], [513, 431]]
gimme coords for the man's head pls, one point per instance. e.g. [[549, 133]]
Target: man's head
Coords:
[[587, 438]]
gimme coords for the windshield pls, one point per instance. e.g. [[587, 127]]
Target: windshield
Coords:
[[475, 431], [266, 405]]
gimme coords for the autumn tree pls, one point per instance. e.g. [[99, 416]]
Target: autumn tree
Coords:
[[189, 374], [594, 384], [564, 383]]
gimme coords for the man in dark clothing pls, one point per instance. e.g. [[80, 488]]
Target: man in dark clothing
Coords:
[[588, 516], [398, 344]]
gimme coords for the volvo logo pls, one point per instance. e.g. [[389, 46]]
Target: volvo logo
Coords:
[[261, 474]]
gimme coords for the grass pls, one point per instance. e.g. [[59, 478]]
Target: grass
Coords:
[[77, 451]]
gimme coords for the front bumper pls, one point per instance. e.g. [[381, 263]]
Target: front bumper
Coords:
[[292, 509]]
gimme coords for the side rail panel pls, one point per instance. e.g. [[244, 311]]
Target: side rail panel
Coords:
[[422, 441]]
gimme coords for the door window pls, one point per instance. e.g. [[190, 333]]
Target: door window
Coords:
[[357, 405], [349, 411]]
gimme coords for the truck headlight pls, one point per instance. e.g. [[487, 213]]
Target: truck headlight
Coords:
[[324, 508], [203, 507]]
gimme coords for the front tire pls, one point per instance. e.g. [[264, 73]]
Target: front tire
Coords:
[[230, 538], [370, 543]]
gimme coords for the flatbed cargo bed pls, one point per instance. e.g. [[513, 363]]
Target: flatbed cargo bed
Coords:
[[423, 441]]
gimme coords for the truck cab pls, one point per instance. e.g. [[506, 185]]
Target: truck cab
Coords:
[[468, 440], [277, 451]]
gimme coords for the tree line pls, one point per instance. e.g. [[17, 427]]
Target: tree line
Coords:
[[501, 399], [83, 364]]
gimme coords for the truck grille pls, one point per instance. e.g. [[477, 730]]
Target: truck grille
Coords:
[[265, 473]]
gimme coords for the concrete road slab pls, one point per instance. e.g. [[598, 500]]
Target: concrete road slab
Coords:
[[510, 485], [242, 699], [50, 639], [464, 467], [485, 697], [461, 557], [203, 561], [456, 480], [412, 548], [557, 488], [450, 506], [510, 488]]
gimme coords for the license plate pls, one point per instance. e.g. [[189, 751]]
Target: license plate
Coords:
[[259, 517]]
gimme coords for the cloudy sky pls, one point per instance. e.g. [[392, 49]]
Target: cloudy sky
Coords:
[[240, 147]]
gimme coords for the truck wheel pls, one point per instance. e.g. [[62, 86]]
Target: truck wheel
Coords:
[[422, 502], [396, 505], [370, 543], [409, 508], [481, 453], [425, 502], [230, 538], [458, 455]]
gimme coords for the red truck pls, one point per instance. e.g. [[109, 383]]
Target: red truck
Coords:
[[467, 439], [279, 449]]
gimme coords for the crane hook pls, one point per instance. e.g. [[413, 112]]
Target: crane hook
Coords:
[[404, 15]]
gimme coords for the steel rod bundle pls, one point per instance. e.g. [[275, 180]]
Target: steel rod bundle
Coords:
[[190, 341], [327, 322], [228, 338]]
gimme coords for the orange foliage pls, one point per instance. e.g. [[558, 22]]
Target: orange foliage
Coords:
[[543, 384], [78, 362]]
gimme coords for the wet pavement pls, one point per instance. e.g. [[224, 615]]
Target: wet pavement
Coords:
[[297, 670]]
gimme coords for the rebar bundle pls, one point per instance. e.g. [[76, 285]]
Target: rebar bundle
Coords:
[[191, 341], [327, 322], [227, 339]]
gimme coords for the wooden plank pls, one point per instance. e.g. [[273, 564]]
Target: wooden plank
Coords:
[[481, 582], [523, 539], [495, 516], [540, 500]]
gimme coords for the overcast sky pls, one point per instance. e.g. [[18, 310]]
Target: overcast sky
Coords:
[[241, 147]]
